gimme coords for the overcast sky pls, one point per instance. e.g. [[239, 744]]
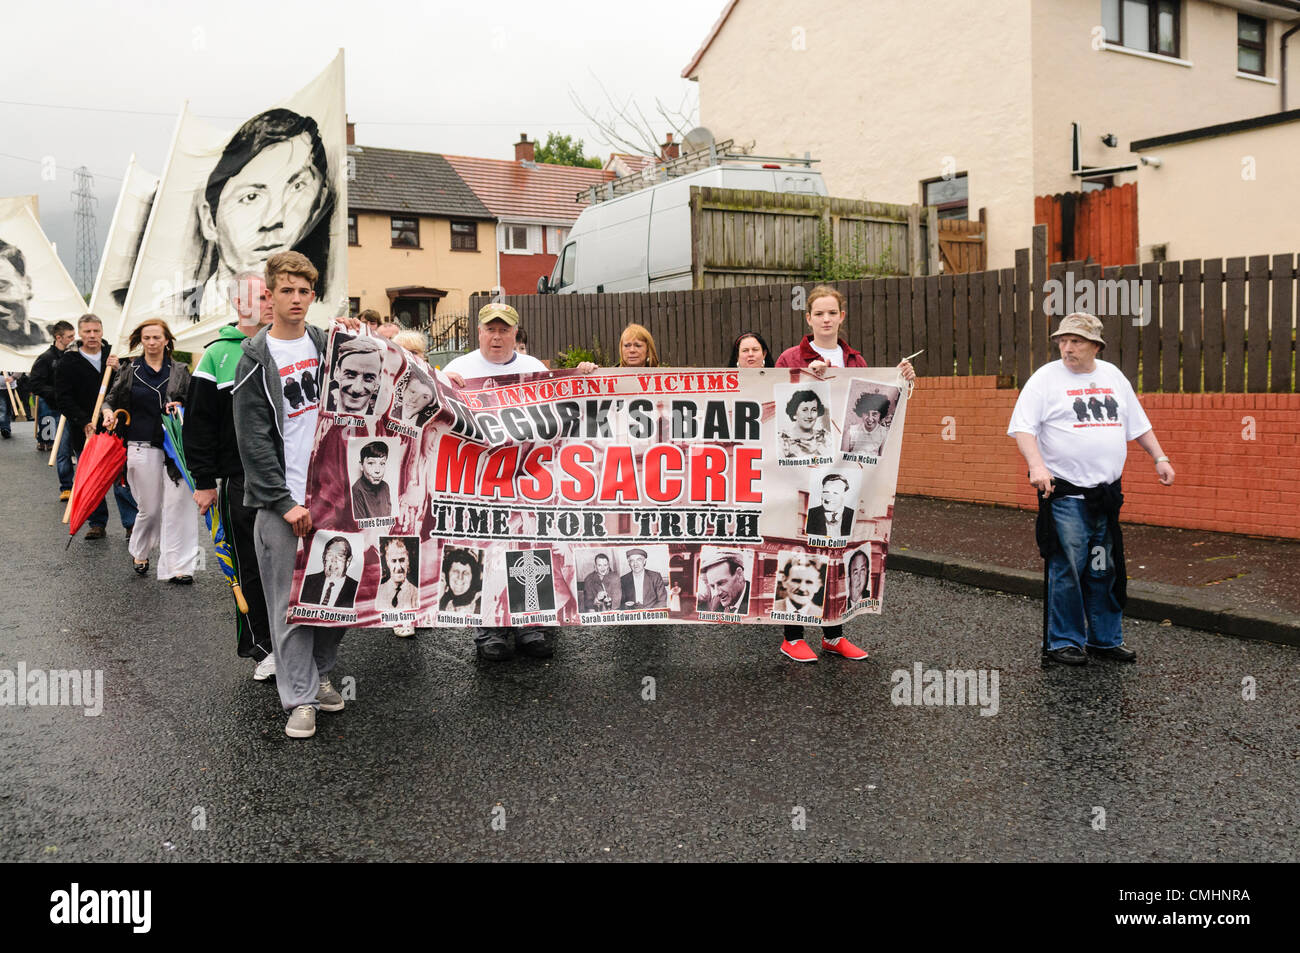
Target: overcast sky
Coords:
[[104, 80]]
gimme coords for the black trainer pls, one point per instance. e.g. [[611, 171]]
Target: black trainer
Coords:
[[495, 646], [1116, 653]]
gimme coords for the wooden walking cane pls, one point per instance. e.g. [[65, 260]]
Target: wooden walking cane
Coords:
[[58, 439], [15, 403], [94, 416]]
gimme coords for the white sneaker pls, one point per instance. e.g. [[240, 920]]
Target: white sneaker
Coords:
[[302, 722], [265, 669], [404, 630]]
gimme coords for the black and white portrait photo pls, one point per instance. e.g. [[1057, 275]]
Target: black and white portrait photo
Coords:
[[643, 584], [333, 571], [462, 581], [803, 421], [530, 581], [399, 579], [833, 500], [725, 577], [601, 590], [857, 570], [800, 585], [373, 463], [356, 375], [869, 414], [414, 402]]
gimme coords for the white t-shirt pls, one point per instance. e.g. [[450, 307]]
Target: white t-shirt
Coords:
[[300, 384], [1083, 422], [833, 356], [97, 359], [474, 365]]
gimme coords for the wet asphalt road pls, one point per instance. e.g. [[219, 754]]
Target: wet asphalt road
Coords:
[[716, 767]]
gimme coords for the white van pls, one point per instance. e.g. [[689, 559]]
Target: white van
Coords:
[[641, 241]]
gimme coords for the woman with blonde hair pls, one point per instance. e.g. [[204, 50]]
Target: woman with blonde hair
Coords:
[[636, 348], [147, 388]]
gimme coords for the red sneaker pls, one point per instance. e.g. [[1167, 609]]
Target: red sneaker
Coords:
[[799, 650], [844, 649]]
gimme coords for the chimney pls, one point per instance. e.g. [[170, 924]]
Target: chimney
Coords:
[[352, 131], [524, 149], [669, 149]]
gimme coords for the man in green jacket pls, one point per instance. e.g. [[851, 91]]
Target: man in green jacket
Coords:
[[213, 455]]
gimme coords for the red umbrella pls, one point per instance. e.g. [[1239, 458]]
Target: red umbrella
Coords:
[[98, 465]]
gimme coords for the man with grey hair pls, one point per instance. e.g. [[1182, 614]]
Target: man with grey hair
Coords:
[[1075, 463], [212, 452]]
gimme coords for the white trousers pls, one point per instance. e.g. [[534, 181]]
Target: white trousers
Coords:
[[169, 517]]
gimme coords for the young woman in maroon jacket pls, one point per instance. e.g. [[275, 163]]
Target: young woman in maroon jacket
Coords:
[[817, 351]]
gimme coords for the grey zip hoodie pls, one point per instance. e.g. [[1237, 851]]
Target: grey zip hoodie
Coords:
[[258, 405]]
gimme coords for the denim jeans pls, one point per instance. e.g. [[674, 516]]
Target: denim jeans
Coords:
[[6, 412], [1081, 606], [62, 456]]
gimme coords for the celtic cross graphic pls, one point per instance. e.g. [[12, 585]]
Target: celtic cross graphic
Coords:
[[529, 570]]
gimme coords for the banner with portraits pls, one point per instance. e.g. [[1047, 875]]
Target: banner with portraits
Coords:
[[652, 496], [230, 198], [35, 289]]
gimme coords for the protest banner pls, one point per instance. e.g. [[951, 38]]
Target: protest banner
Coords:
[[624, 496]]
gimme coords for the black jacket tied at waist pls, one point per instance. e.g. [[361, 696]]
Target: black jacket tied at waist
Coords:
[[1104, 498]]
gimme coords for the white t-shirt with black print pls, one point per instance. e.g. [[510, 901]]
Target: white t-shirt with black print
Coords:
[[300, 384], [1083, 422]]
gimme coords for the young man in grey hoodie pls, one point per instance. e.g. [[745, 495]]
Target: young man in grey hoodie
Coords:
[[275, 442]]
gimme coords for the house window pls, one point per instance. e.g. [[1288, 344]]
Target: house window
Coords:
[[352, 229], [950, 196], [354, 306], [1251, 32], [514, 238], [464, 236], [1147, 25], [406, 232], [555, 239]]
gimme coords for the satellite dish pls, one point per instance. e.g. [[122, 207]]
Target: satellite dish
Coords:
[[698, 139]]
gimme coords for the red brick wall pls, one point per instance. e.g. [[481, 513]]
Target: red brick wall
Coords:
[[519, 273], [1224, 482]]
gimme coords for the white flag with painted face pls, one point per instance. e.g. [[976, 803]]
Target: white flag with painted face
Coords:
[[230, 199], [35, 289], [125, 232]]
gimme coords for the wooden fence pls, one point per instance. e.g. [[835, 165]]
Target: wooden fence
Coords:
[[1189, 326], [747, 237]]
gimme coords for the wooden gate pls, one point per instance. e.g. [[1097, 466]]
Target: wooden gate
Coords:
[[963, 245], [1100, 227]]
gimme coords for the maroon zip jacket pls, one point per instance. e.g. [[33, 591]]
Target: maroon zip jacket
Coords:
[[802, 354]]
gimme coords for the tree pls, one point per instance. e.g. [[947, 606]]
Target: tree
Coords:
[[563, 150]]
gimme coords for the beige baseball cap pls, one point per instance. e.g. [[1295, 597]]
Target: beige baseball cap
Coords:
[[498, 311], [1082, 324]]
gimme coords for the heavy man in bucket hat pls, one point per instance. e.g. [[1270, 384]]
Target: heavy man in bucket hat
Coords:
[[1075, 463]]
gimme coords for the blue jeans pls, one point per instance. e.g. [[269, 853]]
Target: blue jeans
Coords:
[[5, 410], [1081, 606], [63, 456]]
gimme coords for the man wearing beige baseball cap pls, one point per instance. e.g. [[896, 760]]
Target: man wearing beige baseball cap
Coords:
[[496, 356], [1075, 462]]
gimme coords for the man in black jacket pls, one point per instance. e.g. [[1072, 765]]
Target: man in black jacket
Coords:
[[213, 456], [77, 378], [41, 381]]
